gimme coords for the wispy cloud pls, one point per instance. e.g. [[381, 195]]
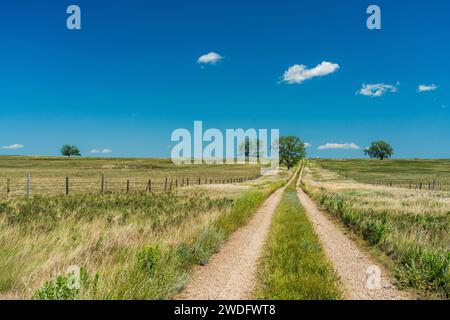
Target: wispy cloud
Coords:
[[104, 151], [14, 146], [377, 89], [339, 146], [425, 88], [307, 144], [209, 58], [298, 73]]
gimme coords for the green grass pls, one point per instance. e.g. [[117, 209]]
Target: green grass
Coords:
[[396, 171], [170, 268], [48, 174], [294, 266], [409, 226], [130, 246]]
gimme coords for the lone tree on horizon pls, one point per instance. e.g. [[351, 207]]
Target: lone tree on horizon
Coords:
[[251, 149], [380, 150], [70, 150], [291, 150]]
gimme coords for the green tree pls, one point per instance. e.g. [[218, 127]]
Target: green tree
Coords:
[[251, 148], [291, 150], [68, 151], [379, 150]]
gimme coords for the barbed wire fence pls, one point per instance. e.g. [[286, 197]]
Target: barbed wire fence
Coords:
[[425, 184], [13, 187]]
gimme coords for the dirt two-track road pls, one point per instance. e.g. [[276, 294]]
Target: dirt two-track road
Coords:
[[356, 270], [231, 273]]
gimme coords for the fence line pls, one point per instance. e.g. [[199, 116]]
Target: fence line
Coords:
[[68, 185], [431, 185]]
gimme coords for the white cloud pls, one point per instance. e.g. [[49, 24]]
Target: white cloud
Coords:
[[104, 151], [14, 146], [338, 146], [425, 88], [210, 58], [299, 72], [377, 90], [444, 106], [307, 144]]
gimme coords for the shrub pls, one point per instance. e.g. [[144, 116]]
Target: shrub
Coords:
[[147, 258], [64, 287]]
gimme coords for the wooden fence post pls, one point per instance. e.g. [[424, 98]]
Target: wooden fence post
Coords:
[[7, 188], [67, 186], [434, 183], [128, 186], [199, 181], [149, 185], [28, 184], [165, 185], [102, 184], [187, 182]]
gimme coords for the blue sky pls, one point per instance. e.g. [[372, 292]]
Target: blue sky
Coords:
[[131, 76]]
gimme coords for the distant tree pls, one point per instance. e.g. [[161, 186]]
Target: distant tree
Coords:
[[251, 148], [68, 151], [379, 149], [291, 150]]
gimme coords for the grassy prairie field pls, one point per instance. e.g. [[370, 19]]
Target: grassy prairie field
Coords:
[[294, 266], [410, 226], [48, 174], [399, 172], [135, 245]]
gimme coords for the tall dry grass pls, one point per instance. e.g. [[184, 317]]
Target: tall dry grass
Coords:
[[410, 226], [130, 246]]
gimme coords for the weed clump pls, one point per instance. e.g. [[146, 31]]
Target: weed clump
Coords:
[[147, 258], [68, 287]]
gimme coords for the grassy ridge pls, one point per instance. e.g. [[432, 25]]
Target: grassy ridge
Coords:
[[397, 171], [294, 266], [410, 226]]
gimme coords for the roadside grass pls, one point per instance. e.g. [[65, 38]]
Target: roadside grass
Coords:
[[294, 266], [410, 226], [130, 246]]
